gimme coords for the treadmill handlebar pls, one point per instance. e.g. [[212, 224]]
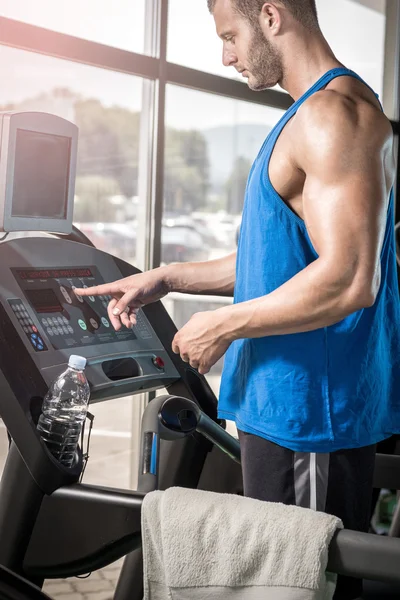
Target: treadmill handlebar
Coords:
[[172, 418], [160, 421], [351, 553], [220, 438]]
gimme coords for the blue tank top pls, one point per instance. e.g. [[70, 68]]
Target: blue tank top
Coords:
[[332, 388]]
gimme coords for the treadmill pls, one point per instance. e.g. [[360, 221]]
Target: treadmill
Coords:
[[51, 524]]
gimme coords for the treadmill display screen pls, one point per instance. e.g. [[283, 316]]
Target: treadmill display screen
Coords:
[[41, 175], [53, 273], [67, 319], [44, 300]]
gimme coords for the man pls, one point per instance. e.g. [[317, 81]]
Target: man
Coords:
[[312, 342]]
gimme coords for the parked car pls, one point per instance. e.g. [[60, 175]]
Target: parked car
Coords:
[[182, 243], [179, 243]]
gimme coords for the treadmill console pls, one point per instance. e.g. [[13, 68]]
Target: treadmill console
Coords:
[[38, 293], [38, 276]]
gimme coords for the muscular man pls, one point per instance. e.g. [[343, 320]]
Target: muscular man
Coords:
[[312, 341]]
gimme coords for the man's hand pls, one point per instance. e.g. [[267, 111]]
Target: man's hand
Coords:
[[203, 340], [129, 294]]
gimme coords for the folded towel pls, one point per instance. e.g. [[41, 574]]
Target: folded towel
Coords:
[[200, 545]]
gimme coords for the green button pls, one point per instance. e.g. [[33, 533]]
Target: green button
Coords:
[[82, 324]]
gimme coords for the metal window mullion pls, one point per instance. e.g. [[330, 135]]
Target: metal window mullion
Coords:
[[31, 38], [159, 142], [151, 178], [397, 186], [148, 129], [391, 75], [397, 73], [151, 169], [157, 199], [230, 88]]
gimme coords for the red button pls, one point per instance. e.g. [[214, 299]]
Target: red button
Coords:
[[34, 329], [158, 362]]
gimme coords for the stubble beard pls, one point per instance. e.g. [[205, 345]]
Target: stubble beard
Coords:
[[265, 64]]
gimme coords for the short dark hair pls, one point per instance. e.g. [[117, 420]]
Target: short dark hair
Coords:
[[305, 11]]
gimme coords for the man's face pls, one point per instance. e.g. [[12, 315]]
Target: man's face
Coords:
[[246, 48]]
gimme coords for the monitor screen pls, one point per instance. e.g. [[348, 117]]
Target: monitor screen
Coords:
[[41, 175], [44, 300]]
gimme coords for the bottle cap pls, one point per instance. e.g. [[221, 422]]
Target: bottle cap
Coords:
[[77, 362]]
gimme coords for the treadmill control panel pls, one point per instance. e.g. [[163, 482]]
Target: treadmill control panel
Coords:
[[38, 279], [68, 320]]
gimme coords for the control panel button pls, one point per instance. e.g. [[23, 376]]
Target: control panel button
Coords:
[[91, 298], [105, 322], [81, 300], [37, 342], [65, 294], [158, 362], [94, 323], [82, 324]]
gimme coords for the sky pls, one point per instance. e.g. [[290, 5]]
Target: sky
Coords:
[[355, 32]]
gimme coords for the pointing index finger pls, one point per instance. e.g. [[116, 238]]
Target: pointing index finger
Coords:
[[98, 290]]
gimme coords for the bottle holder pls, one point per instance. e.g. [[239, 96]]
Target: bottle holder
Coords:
[[85, 454]]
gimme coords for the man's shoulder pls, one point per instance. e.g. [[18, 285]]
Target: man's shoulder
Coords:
[[334, 114]]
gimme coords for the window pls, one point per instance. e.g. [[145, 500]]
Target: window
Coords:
[[119, 24], [355, 29], [106, 106], [190, 26], [210, 145]]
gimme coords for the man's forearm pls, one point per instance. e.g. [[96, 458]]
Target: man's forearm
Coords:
[[214, 277], [312, 299]]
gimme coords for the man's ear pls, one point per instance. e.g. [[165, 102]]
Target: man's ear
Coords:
[[270, 19]]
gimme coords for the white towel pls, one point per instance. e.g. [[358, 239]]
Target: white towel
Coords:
[[201, 545]]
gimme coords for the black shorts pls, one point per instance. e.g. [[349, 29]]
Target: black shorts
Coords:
[[339, 484]]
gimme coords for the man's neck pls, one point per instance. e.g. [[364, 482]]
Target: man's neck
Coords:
[[305, 62]]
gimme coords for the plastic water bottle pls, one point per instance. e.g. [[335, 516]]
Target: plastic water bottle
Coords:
[[64, 411]]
